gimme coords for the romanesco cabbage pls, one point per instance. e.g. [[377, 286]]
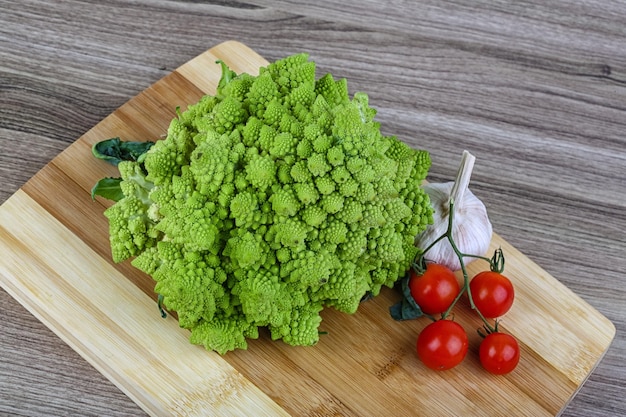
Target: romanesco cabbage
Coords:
[[268, 201]]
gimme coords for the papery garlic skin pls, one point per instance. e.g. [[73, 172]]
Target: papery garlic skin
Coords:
[[471, 227]]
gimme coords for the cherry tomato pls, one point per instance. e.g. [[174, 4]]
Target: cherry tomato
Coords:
[[499, 353], [442, 345], [493, 293], [434, 290]]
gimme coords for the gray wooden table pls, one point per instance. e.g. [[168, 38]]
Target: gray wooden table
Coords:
[[535, 90]]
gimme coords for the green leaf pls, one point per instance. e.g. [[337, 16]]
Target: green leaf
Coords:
[[227, 75], [108, 188], [115, 150], [407, 309], [160, 299]]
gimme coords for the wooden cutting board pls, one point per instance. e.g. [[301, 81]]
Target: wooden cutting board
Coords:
[[56, 262]]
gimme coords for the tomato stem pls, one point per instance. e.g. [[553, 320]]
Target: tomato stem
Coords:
[[496, 263]]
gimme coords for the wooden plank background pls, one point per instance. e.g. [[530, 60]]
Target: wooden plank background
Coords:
[[536, 91]]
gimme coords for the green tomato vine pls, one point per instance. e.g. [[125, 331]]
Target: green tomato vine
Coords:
[[408, 309]]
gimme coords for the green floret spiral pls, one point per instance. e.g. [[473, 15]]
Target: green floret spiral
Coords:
[[268, 201]]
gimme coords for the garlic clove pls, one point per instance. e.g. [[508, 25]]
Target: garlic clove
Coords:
[[471, 228]]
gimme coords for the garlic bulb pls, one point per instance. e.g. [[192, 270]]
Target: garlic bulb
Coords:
[[471, 227]]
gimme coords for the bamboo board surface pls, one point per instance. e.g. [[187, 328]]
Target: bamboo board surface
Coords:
[[56, 262]]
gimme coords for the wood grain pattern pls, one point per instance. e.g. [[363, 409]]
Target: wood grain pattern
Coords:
[[108, 321], [59, 268], [535, 90]]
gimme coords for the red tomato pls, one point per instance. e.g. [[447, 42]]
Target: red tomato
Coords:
[[499, 353], [493, 294], [434, 290], [442, 345]]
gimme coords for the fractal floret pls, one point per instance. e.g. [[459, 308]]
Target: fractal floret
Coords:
[[265, 203]]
